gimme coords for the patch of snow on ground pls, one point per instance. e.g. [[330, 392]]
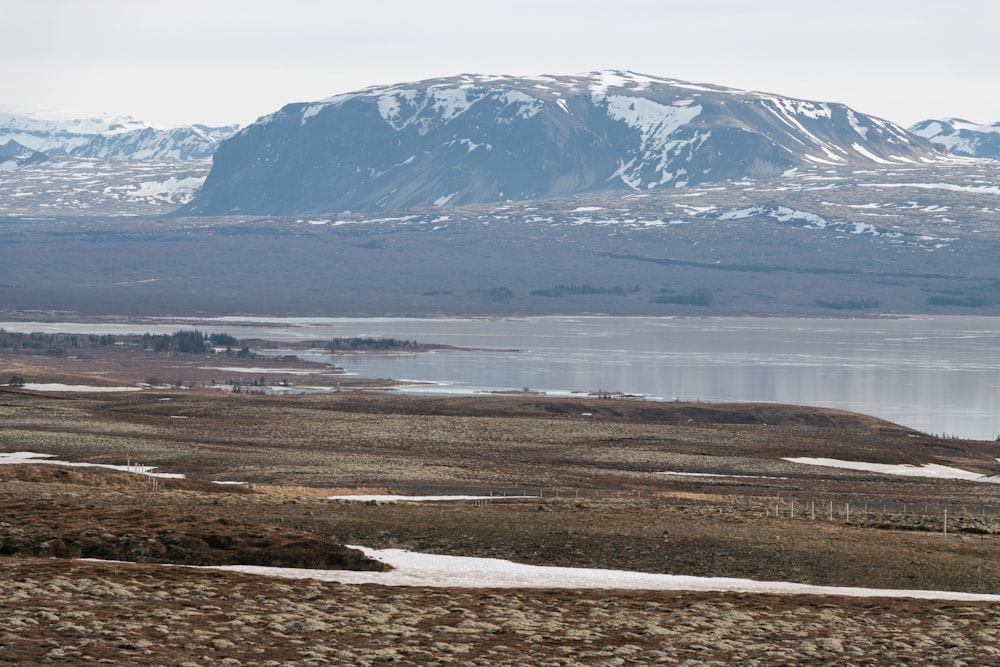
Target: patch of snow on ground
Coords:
[[55, 386], [171, 190], [417, 569], [925, 470], [389, 498], [779, 213], [978, 189], [31, 458]]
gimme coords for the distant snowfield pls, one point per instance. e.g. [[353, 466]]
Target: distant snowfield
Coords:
[[925, 470], [428, 570]]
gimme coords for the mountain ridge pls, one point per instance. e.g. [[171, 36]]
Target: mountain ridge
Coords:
[[961, 137], [104, 136], [486, 138]]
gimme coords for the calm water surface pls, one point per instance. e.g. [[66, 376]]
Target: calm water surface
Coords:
[[939, 375]]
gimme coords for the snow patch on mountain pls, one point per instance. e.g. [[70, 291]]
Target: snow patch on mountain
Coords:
[[857, 126], [408, 107], [656, 124], [172, 190], [868, 154], [961, 137], [105, 136], [779, 213], [594, 131], [807, 220]]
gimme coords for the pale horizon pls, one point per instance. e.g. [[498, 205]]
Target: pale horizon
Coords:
[[224, 62]]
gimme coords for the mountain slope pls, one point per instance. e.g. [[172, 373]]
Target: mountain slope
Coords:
[[479, 139], [961, 137], [14, 156], [104, 136]]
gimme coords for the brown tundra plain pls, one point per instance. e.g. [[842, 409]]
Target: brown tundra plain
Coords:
[[104, 566]]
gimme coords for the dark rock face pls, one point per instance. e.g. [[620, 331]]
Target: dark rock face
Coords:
[[960, 137], [12, 150], [478, 139]]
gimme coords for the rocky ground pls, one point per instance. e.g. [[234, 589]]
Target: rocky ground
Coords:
[[601, 501], [59, 611]]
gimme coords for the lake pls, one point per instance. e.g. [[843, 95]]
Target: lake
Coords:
[[940, 375]]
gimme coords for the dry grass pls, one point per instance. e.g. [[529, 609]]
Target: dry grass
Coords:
[[55, 612], [603, 505], [313, 492]]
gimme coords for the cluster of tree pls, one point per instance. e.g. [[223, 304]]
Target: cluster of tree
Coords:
[[570, 290], [191, 342], [52, 344], [341, 344], [848, 304], [699, 296], [498, 294], [978, 296], [187, 342]]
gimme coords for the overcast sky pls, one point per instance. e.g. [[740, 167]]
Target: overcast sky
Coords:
[[222, 61]]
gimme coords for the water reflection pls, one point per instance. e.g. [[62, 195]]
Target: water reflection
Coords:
[[939, 375]]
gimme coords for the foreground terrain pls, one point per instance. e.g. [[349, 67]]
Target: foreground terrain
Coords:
[[56, 612], [574, 482]]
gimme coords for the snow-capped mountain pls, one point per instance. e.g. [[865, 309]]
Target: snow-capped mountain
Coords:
[[14, 155], [11, 150], [961, 137], [106, 136], [475, 138]]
